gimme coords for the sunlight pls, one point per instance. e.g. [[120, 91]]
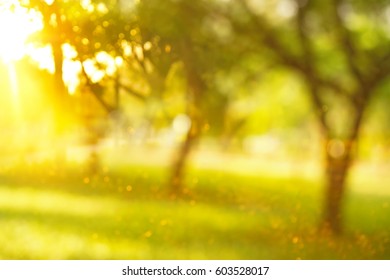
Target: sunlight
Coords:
[[14, 46], [16, 25], [71, 68], [14, 89], [42, 56]]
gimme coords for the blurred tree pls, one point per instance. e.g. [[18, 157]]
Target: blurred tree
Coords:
[[96, 31], [55, 32], [192, 33], [177, 22], [340, 50]]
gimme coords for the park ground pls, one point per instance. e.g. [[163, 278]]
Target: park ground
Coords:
[[233, 207]]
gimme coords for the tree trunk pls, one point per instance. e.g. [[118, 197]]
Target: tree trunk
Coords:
[[61, 106], [61, 97], [195, 91], [179, 163], [338, 161]]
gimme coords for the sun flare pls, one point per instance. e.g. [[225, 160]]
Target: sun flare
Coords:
[[16, 25]]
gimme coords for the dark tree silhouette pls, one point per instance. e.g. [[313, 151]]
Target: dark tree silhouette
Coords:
[[341, 80]]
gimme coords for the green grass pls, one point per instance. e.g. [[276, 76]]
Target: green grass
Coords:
[[47, 215]]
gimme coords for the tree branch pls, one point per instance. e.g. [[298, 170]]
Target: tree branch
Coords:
[[381, 72], [107, 107], [303, 36], [305, 64], [310, 71], [347, 45], [132, 92]]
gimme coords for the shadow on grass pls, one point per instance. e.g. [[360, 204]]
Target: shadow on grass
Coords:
[[222, 217]]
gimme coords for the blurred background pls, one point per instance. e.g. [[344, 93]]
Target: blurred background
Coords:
[[219, 129]]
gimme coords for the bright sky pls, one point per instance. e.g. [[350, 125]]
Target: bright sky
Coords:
[[18, 23]]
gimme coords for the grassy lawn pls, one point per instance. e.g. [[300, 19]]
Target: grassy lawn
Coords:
[[128, 213]]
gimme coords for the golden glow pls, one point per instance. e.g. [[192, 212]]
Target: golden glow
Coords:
[[16, 25], [14, 90], [43, 56], [111, 65], [71, 68]]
